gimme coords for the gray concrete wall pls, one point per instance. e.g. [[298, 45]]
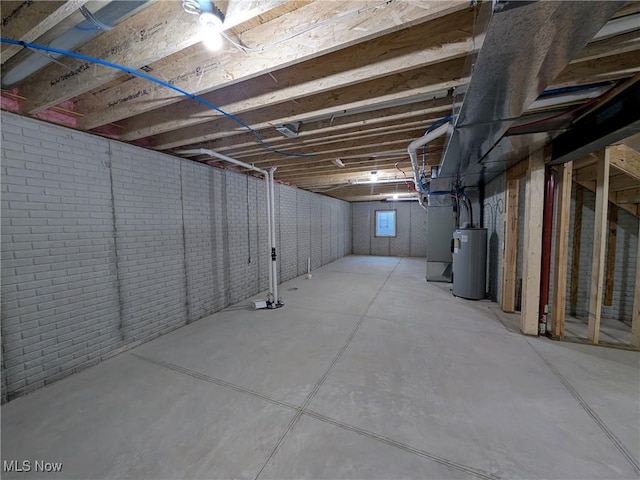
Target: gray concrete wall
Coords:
[[106, 245], [411, 230], [493, 214]]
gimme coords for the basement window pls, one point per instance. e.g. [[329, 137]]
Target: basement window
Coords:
[[385, 223]]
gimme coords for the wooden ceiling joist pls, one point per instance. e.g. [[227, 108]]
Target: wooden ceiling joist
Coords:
[[27, 21], [233, 66]]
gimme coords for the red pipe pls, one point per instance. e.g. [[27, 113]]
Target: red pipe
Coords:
[[547, 232]]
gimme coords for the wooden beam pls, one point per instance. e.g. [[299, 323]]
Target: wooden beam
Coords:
[[627, 196], [410, 113], [612, 67], [28, 20], [575, 256], [532, 243], [517, 171], [599, 247], [635, 320], [611, 255], [403, 87], [231, 67], [621, 202], [561, 259], [510, 263], [626, 159], [627, 42], [408, 49], [621, 182], [159, 30]]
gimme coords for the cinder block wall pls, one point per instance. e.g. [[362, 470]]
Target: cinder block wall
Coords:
[[625, 265], [106, 245], [411, 230]]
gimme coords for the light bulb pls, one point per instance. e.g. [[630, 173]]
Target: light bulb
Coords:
[[212, 40], [395, 196]]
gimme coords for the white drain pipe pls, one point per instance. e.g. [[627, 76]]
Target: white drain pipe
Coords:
[[273, 301], [272, 220], [413, 149]]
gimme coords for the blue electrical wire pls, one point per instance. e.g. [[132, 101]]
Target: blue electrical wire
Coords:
[[131, 71]]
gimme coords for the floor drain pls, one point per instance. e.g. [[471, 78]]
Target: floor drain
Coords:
[[292, 289]]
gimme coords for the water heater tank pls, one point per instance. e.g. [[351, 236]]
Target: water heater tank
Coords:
[[470, 263]]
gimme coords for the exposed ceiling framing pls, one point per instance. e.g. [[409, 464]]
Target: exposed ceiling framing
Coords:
[[365, 78]]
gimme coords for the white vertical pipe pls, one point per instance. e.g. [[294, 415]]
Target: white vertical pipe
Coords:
[[308, 264], [267, 188], [271, 223], [273, 234]]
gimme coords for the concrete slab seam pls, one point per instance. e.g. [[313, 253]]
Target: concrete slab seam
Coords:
[[594, 416], [215, 381], [393, 443], [323, 378], [302, 409], [402, 446]]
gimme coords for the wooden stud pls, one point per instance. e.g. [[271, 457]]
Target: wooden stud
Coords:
[[635, 321], [534, 206], [561, 260], [575, 260], [611, 255], [510, 264], [599, 244]]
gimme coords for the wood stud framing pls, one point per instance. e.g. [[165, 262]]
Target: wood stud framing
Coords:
[[510, 264], [561, 261], [599, 244], [532, 243]]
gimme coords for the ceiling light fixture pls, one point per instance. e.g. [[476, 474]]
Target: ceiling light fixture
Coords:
[[337, 162], [210, 19], [374, 176]]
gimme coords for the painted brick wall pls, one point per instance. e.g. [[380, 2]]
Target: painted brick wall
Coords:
[[316, 232], [625, 265], [199, 240], [288, 233], [149, 242], [303, 229], [60, 304], [106, 245], [411, 230], [418, 230]]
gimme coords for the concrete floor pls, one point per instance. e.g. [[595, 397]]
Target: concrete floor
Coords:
[[367, 372]]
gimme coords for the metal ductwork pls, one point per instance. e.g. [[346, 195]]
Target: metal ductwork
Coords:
[[525, 46], [87, 26]]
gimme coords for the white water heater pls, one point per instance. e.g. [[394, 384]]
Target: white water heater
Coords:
[[470, 263]]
